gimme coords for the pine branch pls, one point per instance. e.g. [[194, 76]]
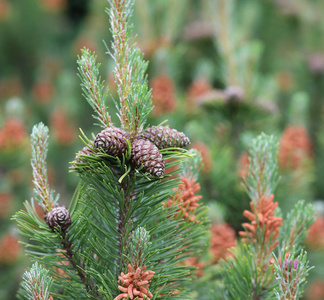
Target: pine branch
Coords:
[[124, 220], [262, 176], [39, 143], [291, 273], [141, 204], [294, 229], [137, 280], [78, 265], [93, 88], [91, 246], [263, 231], [37, 283], [119, 14], [241, 275], [193, 167], [132, 86]]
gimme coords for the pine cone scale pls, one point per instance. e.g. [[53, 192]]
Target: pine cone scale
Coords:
[[112, 141], [146, 155], [165, 137], [59, 217]]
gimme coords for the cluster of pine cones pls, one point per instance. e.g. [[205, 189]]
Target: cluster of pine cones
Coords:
[[145, 149]]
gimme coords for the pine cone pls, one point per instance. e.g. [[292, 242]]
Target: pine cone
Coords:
[[165, 137], [112, 141], [146, 154], [85, 151], [58, 217]]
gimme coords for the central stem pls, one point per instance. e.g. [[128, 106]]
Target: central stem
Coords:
[[78, 266], [123, 224]]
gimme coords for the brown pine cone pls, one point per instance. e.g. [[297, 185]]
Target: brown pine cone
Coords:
[[165, 137], [59, 217], [85, 151], [146, 154], [112, 141]]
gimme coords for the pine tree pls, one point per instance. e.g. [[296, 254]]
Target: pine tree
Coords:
[[269, 258], [117, 239]]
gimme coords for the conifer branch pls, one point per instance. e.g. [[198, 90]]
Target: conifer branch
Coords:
[[262, 234], [136, 281], [37, 283], [123, 225], [39, 143], [93, 87], [294, 230], [78, 265], [260, 183], [119, 222], [264, 230], [291, 274], [262, 176], [242, 277], [119, 14], [132, 86], [138, 247], [193, 167]]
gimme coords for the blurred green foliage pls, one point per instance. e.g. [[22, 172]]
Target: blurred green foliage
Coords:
[[221, 71]]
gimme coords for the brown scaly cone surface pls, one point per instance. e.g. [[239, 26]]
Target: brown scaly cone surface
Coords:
[[112, 140], [135, 284], [146, 155], [59, 217], [221, 240], [165, 137], [186, 199], [84, 151]]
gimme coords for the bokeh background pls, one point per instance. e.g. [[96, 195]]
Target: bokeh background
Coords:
[[222, 71]]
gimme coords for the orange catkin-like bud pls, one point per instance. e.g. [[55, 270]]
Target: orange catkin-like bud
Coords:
[[186, 199], [135, 284], [262, 216]]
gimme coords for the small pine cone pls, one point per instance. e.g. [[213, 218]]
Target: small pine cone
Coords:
[[59, 217], [165, 137], [146, 154], [112, 141], [85, 151]]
